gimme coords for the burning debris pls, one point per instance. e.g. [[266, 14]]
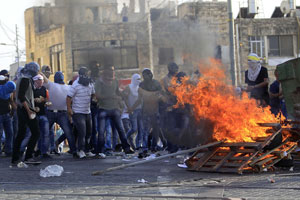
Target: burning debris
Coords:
[[250, 144]]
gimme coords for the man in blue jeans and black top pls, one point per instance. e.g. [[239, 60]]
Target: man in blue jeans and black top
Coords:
[[110, 105], [26, 114]]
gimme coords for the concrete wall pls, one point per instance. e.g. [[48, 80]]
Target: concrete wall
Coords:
[[265, 28]]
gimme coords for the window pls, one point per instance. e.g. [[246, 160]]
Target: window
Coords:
[[122, 57], [280, 45], [257, 45], [56, 57], [165, 56]]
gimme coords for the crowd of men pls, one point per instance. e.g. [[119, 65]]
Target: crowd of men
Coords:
[[95, 117]]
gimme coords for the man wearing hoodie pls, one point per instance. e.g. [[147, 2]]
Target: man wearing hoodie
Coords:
[[57, 112], [5, 109], [130, 95], [26, 114]]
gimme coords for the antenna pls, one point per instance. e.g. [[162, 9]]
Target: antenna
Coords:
[[285, 7]]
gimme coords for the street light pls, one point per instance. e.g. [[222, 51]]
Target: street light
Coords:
[[4, 44]]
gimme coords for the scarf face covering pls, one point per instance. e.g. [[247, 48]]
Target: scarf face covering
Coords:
[[84, 80], [134, 85], [254, 69]]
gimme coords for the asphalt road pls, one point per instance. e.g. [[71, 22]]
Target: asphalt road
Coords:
[[163, 180]]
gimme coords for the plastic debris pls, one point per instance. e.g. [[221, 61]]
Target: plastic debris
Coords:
[[285, 154], [150, 157], [271, 180], [51, 170], [265, 170], [291, 169], [22, 165], [182, 165], [142, 181]]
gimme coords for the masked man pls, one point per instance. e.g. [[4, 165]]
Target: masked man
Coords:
[[26, 114], [79, 108], [257, 79]]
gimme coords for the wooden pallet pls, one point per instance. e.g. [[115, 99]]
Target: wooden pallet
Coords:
[[240, 157]]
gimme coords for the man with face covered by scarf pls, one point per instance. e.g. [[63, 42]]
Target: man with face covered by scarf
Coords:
[[79, 108], [149, 93], [130, 96], [257, 79], [110, 107], [26, 114]]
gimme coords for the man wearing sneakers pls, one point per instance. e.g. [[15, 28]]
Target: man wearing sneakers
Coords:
[[79, 104], [57, 112], [26, 114]]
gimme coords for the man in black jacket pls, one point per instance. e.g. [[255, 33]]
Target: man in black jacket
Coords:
[[26, 114]]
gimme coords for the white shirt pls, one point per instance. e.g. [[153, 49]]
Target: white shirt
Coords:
[[81, 97], [57, 95]]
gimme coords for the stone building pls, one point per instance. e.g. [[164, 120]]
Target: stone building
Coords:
[[73, 33], [274, 39]]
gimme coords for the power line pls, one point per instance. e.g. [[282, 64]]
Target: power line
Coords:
[[5, 32]]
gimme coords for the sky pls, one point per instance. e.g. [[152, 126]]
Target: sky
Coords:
[[12, 14]]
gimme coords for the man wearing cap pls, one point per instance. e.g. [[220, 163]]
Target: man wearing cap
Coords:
[[257, 79], [78, 103], [5, 109], [40, 99], [26, 114], [57, 112]]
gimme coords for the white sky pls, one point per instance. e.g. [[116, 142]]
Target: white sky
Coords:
[[12, 13]]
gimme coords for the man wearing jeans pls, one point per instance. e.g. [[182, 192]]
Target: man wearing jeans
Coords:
[[5, 117], [40, 98], [110, 106], [79, 102], [57, 112], [130, 95]]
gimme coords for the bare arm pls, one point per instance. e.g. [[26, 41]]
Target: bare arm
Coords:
[[46, 80], [69, 106]]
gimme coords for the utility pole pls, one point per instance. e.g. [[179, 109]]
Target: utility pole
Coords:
[[17, 46], [150, 38], [231, 38]]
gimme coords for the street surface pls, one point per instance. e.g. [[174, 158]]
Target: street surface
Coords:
[[164, 180]]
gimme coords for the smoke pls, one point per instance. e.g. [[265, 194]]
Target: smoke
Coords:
[[192, 41]]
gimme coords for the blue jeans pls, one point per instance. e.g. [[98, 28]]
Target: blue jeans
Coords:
[[44, 136], [7, 126], [115, 116], [94, 113], [83, 123], [136, 126], [150, 121], [61, 118], [111, 139]]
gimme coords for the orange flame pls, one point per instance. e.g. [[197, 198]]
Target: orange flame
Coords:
[[235, 118]]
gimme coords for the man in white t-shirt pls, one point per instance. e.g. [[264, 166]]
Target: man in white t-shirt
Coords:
[[57, 112], [79, 108]]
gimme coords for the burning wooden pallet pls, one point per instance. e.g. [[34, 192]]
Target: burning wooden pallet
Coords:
[[243, 156]]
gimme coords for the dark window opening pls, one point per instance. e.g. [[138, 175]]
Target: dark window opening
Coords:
[[165, 56]]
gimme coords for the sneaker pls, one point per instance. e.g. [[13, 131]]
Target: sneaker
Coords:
[[32, 161], [108, 153], [129, 151], [81, 154], [101, 155], [90, 154], [18, 164]]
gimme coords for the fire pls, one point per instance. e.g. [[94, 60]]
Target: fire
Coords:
[[235, 118]]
